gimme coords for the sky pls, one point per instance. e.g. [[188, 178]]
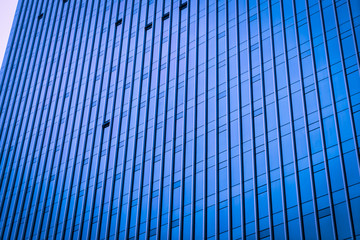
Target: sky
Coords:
[[7, 12]]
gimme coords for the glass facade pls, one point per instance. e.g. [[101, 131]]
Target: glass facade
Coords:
[[175, 119]]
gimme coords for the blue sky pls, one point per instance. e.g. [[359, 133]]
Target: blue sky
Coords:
[[7, 11]]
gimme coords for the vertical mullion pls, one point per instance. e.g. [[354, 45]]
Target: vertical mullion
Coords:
[[143, 157], [113, 112], [354, 35], [16, 60], [92, 202], [129, 110], [229, 190], [143, 160], [43, 137], [87, 141], [57, 98], [22, 174], [4, 163], [108, 146], [120, 119], [133, 154], [37, 129], [216, 123], [294, 155], [54, 114], [241, 159], [77, 100], [281, 168], [92, 141], [351, 225], [182, 188], [305, 112], [348, 97], [9, 110], [173, 145], [266, 139], [158, 231], [194, 160], [33, 95], [42, 80], [327, 171], [9, 60], [82, 153], [158, 224], [67, 120], [13, 39], [67, 117], [146, 120], [206, 122], [33, 48], [18, 87], [252, 126], [53, 119]]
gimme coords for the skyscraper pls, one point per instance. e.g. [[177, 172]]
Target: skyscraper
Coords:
[[175, 119]]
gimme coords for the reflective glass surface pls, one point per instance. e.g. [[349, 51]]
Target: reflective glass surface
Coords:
[[181, 119]]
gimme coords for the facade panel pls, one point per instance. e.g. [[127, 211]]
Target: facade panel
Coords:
[[175, 119]]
